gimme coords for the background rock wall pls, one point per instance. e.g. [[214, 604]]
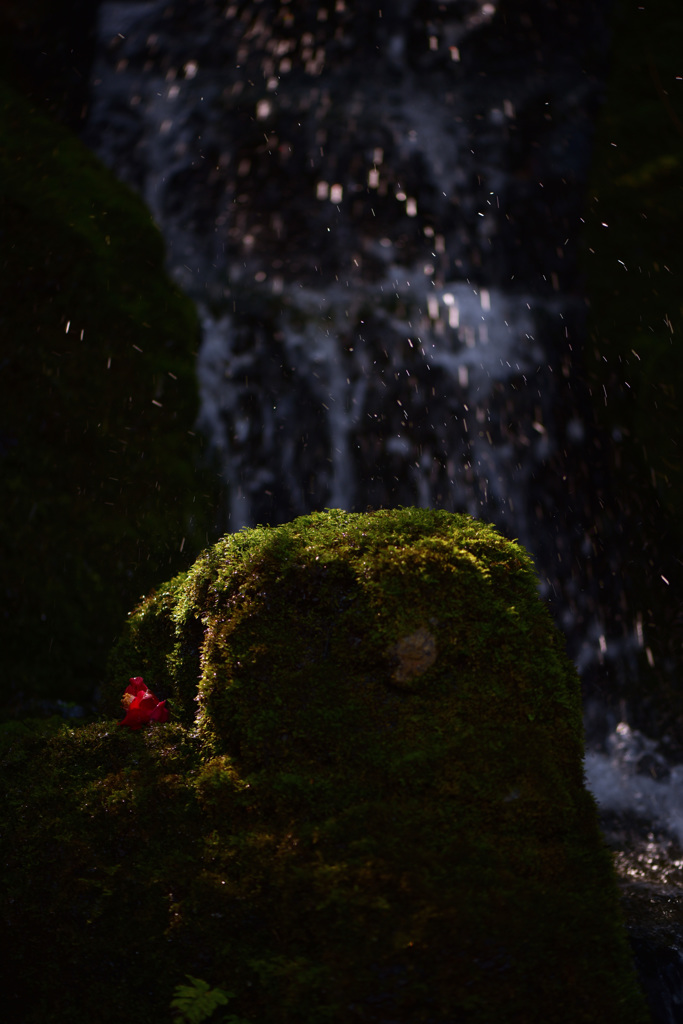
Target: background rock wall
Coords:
[[102, 493]]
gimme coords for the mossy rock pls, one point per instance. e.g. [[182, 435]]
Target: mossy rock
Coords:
[[102, 495], [370, 805]]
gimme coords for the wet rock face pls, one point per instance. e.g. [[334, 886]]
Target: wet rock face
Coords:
[[47, 48], [390, 778], [377, 212]]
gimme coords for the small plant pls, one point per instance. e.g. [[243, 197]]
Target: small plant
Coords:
[[198, 1001]]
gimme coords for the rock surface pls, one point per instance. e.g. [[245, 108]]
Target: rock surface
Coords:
[[373, 811]]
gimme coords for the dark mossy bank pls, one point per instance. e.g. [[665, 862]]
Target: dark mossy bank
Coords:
[[368, 804], [633, 262], [101, 496]]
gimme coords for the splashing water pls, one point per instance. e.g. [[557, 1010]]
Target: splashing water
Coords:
[[632, 777]]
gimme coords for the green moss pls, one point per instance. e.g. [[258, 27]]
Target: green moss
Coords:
[[374, 810], [100, 489]]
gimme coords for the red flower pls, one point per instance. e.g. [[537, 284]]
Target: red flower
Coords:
[[141, 705]]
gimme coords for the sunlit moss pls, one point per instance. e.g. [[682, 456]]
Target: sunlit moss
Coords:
[[374, 810]]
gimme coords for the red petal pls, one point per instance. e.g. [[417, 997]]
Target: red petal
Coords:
[[160, 713], [135, 718], [135, 685], [144, 706]]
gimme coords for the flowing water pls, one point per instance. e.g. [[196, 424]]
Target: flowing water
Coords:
[[640, 796], [378, 218], [377, 213]]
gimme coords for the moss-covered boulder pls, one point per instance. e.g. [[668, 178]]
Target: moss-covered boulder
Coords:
[[101, 496], [370, 805]]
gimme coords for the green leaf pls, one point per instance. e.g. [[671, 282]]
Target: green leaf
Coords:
[[197, 1001]]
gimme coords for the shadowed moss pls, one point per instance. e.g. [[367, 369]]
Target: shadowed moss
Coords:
[[100, 487], [374, 810]]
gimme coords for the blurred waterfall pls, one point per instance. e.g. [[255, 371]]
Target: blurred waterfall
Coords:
[[378, 214]]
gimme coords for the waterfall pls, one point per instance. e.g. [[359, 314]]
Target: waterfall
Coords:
[[377, 214]]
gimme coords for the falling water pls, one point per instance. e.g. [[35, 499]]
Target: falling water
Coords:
[[387, 281]]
